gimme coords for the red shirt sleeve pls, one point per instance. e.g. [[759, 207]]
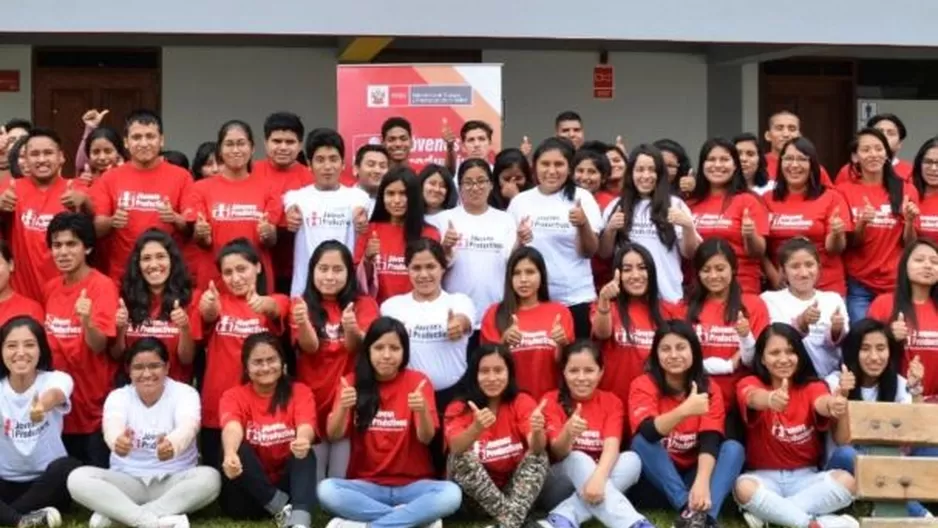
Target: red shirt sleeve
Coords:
[[614, 422], [815, 390], [839, 206], [366, 311], [430, 398], [273, 205], [758, 315], [104, 306], [643, 401], [881, 308], [101, 194], [715, 419], [673, 310], [431, 232], [554, 415], [566, 321], [230, 408], [743, 388], [489, 333], [758, 212], [193, 203], [283, 304], [195, 321], [456, 420], [522, 408], [360, 243], [304, 406]]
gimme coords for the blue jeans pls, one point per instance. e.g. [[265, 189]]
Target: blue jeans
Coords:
[[845, 457], [415, 504], [660, 470], [858, 300]]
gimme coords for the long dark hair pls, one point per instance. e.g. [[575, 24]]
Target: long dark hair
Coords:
[[508, 306], [470, 389], [146, 344], [228, 126], [564, 398], [506, 159], [902, 302], [283, 391], [136, 292], [737, 183], [761, 176], [244, 248], [803, 374], [814, 187], [891, 183], [683, 162], [35, 328], [413, 218], [366, 381], [452, 194], [566, 149], [696, 371], [660, 197], [111, 136], [918, 179], [312, 296], [888, 382], [734, 301], [652, 298], [481, 164]]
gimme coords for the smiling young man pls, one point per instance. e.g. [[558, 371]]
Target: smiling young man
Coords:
[[398, 137], [894, 129], [569, 125], [783, 127], [147, 192]]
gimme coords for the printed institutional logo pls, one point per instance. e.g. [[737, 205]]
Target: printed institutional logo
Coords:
[[377, 96], [34, 221]]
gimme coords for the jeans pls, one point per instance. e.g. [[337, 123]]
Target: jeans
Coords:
[[845, 457], [795, 497], [571, 475], [858, 300], [659, 469], [251, 494], [331, 458], [421, 502]]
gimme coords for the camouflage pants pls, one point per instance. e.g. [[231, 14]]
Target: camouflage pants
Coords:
[[509, 506]]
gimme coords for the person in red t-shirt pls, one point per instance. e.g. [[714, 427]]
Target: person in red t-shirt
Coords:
[[885, 213], [388, 412], [12, 304], [228, 315], [625, 318], [497, 438], [800, 205], [678, 416], [235, 203], [786, 409], [585, 427], [529, 323], [398, 218], [894, 129], [723, 207], [328, 324], [80, 306], [269, 428], [157, 301], [925, 179], [785, 126]]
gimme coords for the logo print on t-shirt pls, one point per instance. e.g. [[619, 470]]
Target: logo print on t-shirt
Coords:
[[798, 434], [34, 221], [235, 212], [388, 421], [552, 223], [790, 221], [590, 441], [61, 327], [718, 335], [154, 328], [237, 327], [140, 201], [269, 434], [536, 339], [680, 442], [712, 221], [494, 450], [642, 338]]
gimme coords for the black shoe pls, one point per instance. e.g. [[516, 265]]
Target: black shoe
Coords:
[[691, 519], [45, 518]]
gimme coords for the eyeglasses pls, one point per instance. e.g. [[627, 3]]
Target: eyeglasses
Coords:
[[929, 163], [478, 184], [143, 367]]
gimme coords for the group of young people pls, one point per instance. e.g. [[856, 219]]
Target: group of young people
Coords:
[[537, 329]]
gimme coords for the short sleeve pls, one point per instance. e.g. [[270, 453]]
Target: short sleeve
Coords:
[[566, 321], [758, 315], [115, 406], [430, 397], [103, 296], [101, 196], [614, 416], [189, 406], [554, 415], [881, 308], [366, 311], [463, 305], [283, 305], [193, 204], [457, 419], [63, 382], [643, 401], [715, 419], [192, 310], [759, 215], [743, 388], [590, 209], [273, 205], [522, 408], [304, 406], [230, 408], [839, 206], [489, 333]]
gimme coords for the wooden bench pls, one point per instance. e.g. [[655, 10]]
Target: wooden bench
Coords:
[[883, 476]]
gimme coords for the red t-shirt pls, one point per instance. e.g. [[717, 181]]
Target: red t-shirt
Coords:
[[234, 209], [720, 339], [390, 271], [771, 166], [875, 262], [647, 401], [269, 435], [536, 357], [18, 305], [785, 440], [224, 340], [604, 415], [92, 372], [796, 216], [713, 221], [388, 453], [296, 176], [168, 333], [928, 217], [35, 208], [502, 446], [320, 370], [140, 192], [624, 355], [902, 168], [923, 336]]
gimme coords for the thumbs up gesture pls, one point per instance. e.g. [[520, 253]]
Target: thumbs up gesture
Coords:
[[178, 316], [348, 397], [836, 223], [837, 406], [454, 327], [37, 412], [909, 209], [900, 331], [360, 220], [300, 312], [742, 325], [747, 224], [679, 217], [121, 316], [164, 449], [696, 403], [166, 211], [576, 424], [915, 374], [451, 236], [620, 143], [525, 231], [71, 199], [616, 221], [259, 304], [124, 443], [482, 418], [265, 230], [373, 247], [687, 183], [8, 198], [778, 398], [210, 301], [202, 230], [350, 320], [869, 212], [838, 322], [811, 315], [526, 147], [537, 420], [83, 307], [446, 132], [92, 118], [610, 291], [415, 400], [512, 335], [294, 218], [557, 333], [300, 447], [848, 381], [86, 175], [577, 217]]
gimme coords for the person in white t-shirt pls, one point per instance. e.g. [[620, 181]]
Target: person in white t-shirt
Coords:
[[324, 210], [34, 467], [562, 221], [486, 238], [371, 164], [648, 214], [150, 425], [439, 194], [820, 316]]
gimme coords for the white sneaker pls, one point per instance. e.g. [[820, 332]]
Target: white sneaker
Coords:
[[174, 521], [837, 521], [338, 522], [752, 521], [43, 517], [435, 524], [99, 521]]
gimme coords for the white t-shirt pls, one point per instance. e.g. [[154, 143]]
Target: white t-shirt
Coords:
[[327, 215], [644, 232], [431, 352], [437, 220], [179, 404], [570, 277], [784, 307], [762, 190], [27, 448], [868, 394], [480, 257]]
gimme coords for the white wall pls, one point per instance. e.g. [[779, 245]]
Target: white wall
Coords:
[[920, 118], [656, 95], [204, 87], [17, 104]]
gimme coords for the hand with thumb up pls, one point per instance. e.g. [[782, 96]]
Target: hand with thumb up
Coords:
[[348, 397], [742, 325], [294, 218], [537, 420], [576, 424], [86, 175], [696, 403], [124, 443], [120, 218], [121, 316], [747, 225], [836, 223], [72, 199], [848, 381], [350, 321], [778, 398], [915, 375], [416, 402], [451, 236], [869, 212], [482, 418], [899, 329], [577, 217], [454, 326], [512, 335], [610, 291], [179, 316], [687, 183], [373, 247], [202, 230], [838, 323], [811, 315], [164, 449], [909, 209], [8, 198], [557, 332], [210, 303], [37, 412], [83, 307]]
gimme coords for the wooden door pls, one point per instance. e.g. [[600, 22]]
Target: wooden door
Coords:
[[825, 106], [62, 95]]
